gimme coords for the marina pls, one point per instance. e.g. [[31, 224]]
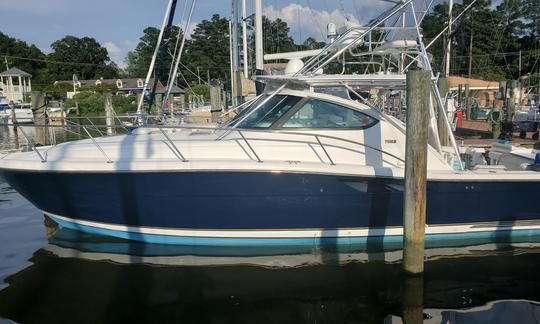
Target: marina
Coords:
[[351, 180]]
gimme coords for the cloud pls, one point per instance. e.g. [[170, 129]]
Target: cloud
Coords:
[[117, 53], [112, 48], [305, 21], [190, 28]]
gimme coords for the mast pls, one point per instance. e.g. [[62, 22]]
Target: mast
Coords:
[[154, 56], [158, 72], [448, 40], [259, 63], [244, 39], [235, 57]]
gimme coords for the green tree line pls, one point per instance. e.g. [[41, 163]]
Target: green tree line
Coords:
[[498, 34], [503, 41]]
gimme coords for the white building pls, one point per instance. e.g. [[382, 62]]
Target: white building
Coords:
[[15, 84]]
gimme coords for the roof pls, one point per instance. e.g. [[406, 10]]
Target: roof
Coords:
[[455, 81], [15, 72], [174, 90], [127, 84]]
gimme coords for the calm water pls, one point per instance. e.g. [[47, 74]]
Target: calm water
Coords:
[[75, 278]]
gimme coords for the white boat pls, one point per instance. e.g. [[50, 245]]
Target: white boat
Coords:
[[23, 113], [309, 162]]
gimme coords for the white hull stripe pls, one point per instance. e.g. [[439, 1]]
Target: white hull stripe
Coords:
[[308, 233]]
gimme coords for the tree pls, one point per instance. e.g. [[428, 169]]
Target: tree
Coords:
[[84, 57], [276, 36], [19, 54], [208, 50], [310, 44], [138, 60]]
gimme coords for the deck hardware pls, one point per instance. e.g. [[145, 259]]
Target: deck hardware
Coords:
[[249, 145], [98, 146], [173, 147], [324, 149], [31, 143]]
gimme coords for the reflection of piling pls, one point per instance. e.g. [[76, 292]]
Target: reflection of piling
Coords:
[[109, 114], [39, 109], [413, 300], [414, 220]]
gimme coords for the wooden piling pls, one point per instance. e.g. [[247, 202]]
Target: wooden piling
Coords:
[[109, 114], [13, 115], [62, 113], [414, 209], [467, 102], [39, 110], [215, 100], [441, 122]]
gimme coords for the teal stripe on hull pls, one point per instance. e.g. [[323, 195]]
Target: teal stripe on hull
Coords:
[[387, 242]]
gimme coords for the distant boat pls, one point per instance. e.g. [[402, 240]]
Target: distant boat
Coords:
[[23, 113]]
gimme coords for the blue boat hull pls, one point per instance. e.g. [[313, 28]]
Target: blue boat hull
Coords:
[[171, 206]]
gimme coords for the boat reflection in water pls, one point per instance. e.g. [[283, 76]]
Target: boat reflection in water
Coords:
[[80, 278]]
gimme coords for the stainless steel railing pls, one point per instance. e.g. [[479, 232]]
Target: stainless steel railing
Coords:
[[319, 139]]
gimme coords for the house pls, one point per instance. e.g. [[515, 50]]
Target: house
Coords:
[[128, 86], [15, 84]]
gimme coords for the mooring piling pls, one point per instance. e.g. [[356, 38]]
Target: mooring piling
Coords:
[[39, 110], [414, 218], [441, 121], [109, 114], [13, 115]]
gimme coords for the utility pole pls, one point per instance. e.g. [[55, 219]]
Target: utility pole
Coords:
[[448, 40], [6, 61], [259, 63], [199, 74]]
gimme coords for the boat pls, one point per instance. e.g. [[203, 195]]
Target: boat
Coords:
[[512, 157], [23, 113], [309, 162]]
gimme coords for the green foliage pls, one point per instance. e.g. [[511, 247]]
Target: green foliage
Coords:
[[199, 89], [20, 51], [139, 59], [58, 91], [209, 49], [90, 103], [123, 104], [94, 58], [498, 34]]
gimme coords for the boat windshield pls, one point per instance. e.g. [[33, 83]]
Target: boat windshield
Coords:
[[265, 115]]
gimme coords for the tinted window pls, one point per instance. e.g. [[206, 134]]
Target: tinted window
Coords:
[[270, 112], [322, 114]]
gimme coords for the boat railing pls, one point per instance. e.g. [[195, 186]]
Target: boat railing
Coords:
[[318, 139]]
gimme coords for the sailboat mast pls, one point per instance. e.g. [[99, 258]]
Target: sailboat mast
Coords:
[[237, 94], [154, 57], [158, 72], [244, 40], [448, 40], [259, 63]]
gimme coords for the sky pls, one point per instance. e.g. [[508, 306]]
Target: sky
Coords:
[[118, 24]]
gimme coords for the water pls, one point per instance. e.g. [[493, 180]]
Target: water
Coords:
[[78, 278]]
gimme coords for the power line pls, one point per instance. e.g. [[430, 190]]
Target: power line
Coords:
[[53, 62]]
